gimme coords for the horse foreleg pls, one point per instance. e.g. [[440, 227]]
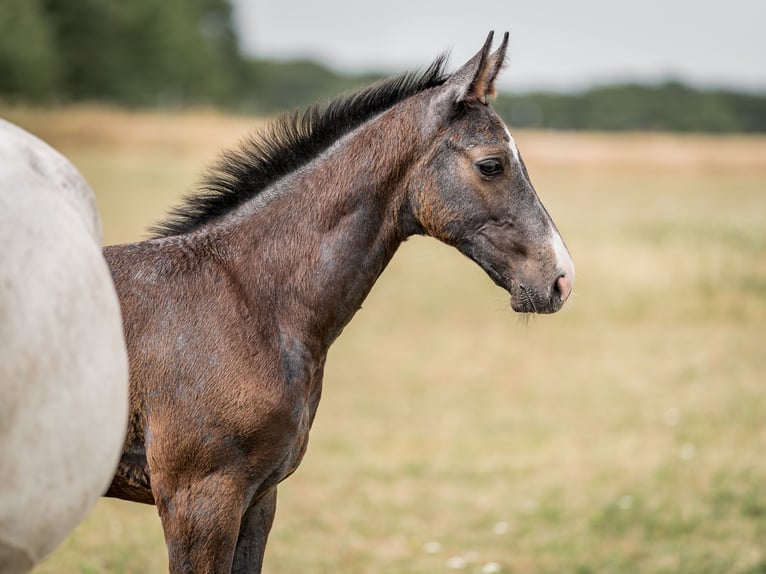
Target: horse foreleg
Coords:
[[201, 520], [253, 532]]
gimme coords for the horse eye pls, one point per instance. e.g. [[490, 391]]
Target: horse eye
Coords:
[[490, 167]]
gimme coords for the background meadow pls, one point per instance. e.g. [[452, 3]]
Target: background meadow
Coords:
[[626, 433]]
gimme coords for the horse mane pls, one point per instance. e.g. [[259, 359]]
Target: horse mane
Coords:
[[291, 141]]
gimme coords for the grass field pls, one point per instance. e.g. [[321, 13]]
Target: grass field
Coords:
[[625, 434]]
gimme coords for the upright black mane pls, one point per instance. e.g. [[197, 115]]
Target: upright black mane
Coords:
[[288, 143]]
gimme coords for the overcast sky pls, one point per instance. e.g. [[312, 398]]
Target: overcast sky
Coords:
[[565, 44]]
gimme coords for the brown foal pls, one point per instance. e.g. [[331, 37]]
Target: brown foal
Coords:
[[230, 309]]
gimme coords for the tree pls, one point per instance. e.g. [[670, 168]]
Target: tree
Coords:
[[145, 52], [28, 64]]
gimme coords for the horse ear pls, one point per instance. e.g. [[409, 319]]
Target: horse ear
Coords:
[[496, 64], [470, 80], [473, 81]]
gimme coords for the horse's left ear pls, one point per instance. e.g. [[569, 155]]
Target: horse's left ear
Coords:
[[475, 80]]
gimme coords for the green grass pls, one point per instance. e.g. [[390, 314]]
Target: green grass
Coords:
[[625, 434]]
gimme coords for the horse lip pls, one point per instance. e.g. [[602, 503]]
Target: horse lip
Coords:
[[523, 300]]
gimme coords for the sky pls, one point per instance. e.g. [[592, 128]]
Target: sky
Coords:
[[555, 44]]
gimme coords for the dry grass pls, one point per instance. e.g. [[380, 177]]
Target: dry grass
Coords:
[[625, 434]]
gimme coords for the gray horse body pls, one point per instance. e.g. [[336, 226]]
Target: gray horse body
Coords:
[[63, 363]]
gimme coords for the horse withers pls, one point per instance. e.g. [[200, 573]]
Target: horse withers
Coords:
[[63, 361], [231, 308]]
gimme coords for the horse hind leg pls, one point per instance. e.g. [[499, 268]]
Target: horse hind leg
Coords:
[[201, 520], [253, 533]]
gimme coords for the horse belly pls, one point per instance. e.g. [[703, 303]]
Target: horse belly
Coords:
[[131, 481]]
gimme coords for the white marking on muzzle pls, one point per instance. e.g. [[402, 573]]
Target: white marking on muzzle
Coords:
[[564, 262]]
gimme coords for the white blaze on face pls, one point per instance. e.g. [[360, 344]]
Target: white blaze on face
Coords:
[[564, 262], [512, 145]]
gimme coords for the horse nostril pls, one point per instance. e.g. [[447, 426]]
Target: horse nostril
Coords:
[[563, 287]]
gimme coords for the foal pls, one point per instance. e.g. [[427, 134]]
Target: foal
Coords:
[[230, 310]]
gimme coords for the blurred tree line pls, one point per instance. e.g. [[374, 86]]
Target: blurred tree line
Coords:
[[166, 53], [141, 52], [174, 53], [670, 106]]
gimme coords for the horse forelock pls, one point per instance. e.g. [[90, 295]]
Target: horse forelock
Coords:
[[288, 143]]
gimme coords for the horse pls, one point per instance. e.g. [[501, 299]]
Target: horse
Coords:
[[231, 306], [63, 358]]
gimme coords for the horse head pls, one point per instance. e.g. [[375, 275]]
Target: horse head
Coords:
[[472, 190]]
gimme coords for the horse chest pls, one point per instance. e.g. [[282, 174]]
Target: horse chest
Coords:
[[305, 400]]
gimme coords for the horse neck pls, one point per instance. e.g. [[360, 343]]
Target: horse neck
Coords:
[[310, 249]]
